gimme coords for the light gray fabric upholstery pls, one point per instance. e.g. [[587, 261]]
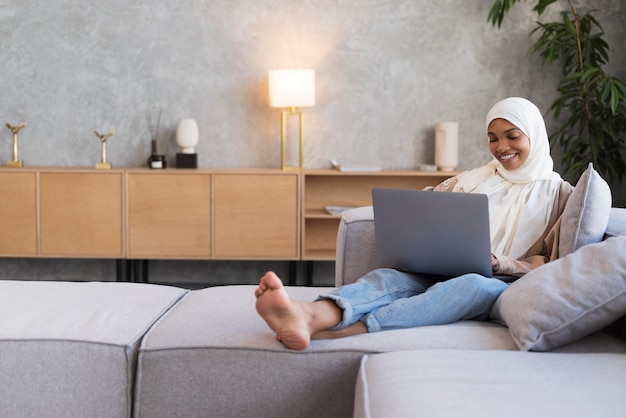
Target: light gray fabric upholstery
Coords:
[[567, 299], [586, 213], [466, 383], [70, 349], [356, 246], [212, 355], [617, 223]]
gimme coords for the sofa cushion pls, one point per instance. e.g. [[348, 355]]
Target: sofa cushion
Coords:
[[466, 383], [70, 349], [566, 299], [617, 223], [213, 355], [586, 213]]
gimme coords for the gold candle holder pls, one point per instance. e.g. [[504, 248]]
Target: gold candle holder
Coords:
[[15, 162], [103, 165]]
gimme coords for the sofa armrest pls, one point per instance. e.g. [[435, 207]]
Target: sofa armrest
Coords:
[[356, 249]]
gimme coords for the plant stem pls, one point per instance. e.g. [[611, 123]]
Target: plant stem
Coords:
[[588, 116], [577, 25]]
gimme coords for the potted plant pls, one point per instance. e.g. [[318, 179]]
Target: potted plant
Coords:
[[591, 102]]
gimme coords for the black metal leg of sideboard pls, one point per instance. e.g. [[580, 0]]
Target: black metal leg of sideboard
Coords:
[[120, 270], [309, 273], [293, 271], [145, 274], [136, 271], [139, 270], [129, 271]]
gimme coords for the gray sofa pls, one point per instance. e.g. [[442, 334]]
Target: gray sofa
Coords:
[[126, 349], [212, 355]]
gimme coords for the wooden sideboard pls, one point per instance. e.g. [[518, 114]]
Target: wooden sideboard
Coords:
[[222, 214], [324, 188]]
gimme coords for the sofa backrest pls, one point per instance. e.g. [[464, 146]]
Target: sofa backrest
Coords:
[[356, 250]]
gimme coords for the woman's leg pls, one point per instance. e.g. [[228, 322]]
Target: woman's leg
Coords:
[[295, 322], [470, 296], [375, 290]]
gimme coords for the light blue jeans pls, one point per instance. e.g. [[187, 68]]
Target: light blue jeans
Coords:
[[387, 299]]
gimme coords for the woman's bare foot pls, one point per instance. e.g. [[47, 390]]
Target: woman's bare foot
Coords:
[[283, 316], [293, 322]]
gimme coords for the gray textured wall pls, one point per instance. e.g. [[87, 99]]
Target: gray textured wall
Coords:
[[386, 72]]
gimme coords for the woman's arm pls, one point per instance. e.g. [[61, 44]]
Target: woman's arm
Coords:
[[513, 267], [545, 249]]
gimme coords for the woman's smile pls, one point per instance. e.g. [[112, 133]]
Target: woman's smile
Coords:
[[507, 157]]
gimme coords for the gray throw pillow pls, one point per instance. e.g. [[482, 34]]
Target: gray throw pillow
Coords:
[[586, 213], [566, 299], [617, 223]]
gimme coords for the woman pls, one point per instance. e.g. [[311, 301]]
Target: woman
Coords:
[[526, 198]]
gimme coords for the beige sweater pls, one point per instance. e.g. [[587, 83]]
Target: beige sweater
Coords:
[[544, 250]]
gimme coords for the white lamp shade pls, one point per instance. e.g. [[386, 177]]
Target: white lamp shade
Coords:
[[187, 135], [292, 88]]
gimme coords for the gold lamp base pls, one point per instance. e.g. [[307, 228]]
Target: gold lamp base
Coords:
[[103, 166], [15, 163], [283, 139]]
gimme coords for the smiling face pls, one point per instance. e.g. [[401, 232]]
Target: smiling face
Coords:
[[508, 143]]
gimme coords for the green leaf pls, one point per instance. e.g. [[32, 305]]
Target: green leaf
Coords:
[[614, 98], [498, 10], [569, 25], [541, 6]]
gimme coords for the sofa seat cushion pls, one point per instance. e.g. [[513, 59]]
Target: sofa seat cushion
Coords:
[[449, 383], [213, 355], [70, 348]]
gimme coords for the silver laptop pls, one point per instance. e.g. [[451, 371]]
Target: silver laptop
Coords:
[[438, 233]]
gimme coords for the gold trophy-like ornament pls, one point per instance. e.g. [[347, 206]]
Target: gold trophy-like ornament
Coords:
[[103, 140], [15, 162]]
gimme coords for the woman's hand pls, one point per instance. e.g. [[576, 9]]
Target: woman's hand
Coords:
[[495, 264]]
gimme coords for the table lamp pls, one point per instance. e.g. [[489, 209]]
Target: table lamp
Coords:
[[291, 89]]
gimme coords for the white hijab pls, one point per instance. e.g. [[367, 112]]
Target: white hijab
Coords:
[[520, 200]]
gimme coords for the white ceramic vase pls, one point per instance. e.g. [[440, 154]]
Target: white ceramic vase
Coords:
[[447, 145], [187, 136]]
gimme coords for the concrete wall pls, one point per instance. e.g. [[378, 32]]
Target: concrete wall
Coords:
[[386, 71]]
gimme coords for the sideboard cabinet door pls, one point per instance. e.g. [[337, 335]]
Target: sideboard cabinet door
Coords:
[[256, 215], [169, 214], [18, 213], [81, 214]]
